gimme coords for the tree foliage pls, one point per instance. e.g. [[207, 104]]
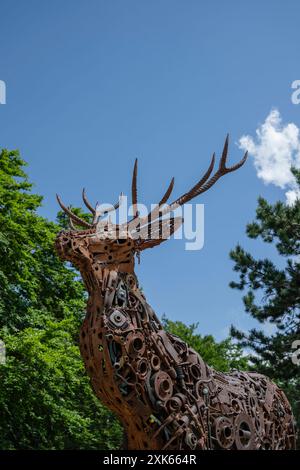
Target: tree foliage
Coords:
[[46, 401], [272, 293]]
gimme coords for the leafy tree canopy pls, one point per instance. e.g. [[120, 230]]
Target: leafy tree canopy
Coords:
[[46, 401], [272, 294]]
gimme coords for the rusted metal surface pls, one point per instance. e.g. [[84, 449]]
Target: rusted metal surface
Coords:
[[162, 391]]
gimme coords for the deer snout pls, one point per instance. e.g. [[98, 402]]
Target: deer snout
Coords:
[[63, 245]]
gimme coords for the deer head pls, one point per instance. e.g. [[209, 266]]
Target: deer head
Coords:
[[106, 245]]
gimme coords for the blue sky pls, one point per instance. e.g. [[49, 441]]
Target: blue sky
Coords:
[[92, 85]]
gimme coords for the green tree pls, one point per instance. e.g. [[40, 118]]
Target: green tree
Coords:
[[273, 294], [46, 401]]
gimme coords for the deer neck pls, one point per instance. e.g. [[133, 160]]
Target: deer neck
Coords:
[[118, 326], [133, 363]]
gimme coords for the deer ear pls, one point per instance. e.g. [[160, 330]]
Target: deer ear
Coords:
[[153, 234]]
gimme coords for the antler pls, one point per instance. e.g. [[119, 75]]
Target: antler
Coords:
[[71, 224], [96, 213], [167, 193], [200, 187], [134, 189], [205, 183], [134, 194], [87, 203], [73, 216]]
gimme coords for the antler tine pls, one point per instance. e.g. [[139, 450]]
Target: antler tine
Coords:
[[167, 193], [87, 203], [222, 170], [181, 200], [72, 226], [134, 188], [222, 164], [134, 195], [205, 183], [74, 217], [155, 211], [237, 165], [194, 191]]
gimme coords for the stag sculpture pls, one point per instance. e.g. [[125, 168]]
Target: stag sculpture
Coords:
[[163, 392]]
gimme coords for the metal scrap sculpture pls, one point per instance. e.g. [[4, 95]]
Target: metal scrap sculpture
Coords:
[[165, 395]]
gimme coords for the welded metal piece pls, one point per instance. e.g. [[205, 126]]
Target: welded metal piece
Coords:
[[162, 391]]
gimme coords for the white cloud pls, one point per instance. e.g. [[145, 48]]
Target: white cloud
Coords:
[[275, 149]]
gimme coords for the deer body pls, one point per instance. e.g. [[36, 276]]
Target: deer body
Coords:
[[162, 391]]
